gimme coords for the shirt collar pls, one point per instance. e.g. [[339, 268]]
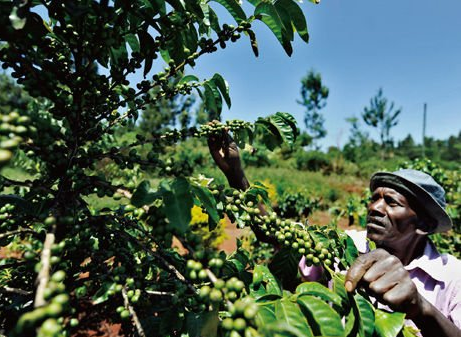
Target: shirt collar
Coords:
[[431, 262]]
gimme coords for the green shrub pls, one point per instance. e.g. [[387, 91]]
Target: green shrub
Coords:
[[312, 160]]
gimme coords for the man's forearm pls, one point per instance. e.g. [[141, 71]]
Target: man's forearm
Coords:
[[238, 180], [432, 322]]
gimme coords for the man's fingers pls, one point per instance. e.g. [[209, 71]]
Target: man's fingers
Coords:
[[361, 265]]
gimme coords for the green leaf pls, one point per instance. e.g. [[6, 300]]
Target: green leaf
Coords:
[[212, 99], [193, 324], [271, 284], [195, 8], [367, 315], [254, 42], [234, 9], [268, 14], [188, 78], [290, 314], [241, 136], [177, 203], [240, 258], [338, 288], [103, 293], [223, 87], [147, 47], [210, 324], [265, 316], [133, 42], [321, 317], [351, 253], [118, 55], [284, 125], [207, 201], [169, 320], [319, 290], [206, 14], [144, 195], [388, 324], [17, 21], [259, 190], [267, 134], [297, 17], [287, 28], [284, 266], [409, 331], [174, 49]]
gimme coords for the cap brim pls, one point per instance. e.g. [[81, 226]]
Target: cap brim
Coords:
[[431, 206]]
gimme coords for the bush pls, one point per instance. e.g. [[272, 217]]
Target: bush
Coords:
[[257, 157], [312, 160]]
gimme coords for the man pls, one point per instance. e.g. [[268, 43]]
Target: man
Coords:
[[406, 272]]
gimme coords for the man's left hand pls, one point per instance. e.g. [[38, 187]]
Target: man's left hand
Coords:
[[384, 277]]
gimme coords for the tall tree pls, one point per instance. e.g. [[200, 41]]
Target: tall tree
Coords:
[[313, 98], [382, 116]]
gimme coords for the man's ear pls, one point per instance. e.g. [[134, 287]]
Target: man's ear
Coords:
[[421, 231], [425, 227]]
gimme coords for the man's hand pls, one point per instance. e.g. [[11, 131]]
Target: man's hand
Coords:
[[384, 277], [225, 153]]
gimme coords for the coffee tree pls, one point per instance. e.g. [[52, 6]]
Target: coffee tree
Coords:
[[76, 241]]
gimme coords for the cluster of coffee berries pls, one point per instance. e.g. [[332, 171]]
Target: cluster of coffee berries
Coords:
[[49, 318], [216, 128], [241, 320], [242, 207], [298, 238], [6, 216], [13, 129]]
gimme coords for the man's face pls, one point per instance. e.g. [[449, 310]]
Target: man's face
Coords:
[[391, 222]]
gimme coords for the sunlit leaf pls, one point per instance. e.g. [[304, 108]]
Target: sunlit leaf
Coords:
[[388, 324], [177, 203], [290, 314], [319, 290], [323, 319], [234, 9]]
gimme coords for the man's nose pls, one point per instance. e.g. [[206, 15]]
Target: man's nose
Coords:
[[376, 207]]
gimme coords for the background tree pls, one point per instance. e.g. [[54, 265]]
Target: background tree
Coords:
[[12, 96], [313, 98], [359, 146], [382, 116]]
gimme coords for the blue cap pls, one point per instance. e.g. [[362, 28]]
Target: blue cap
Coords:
[[422, 188]]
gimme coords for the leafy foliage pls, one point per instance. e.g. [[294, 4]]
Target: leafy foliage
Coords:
[[98, 226]]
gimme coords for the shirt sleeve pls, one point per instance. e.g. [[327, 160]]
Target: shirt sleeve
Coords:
[[309, 273], [454, 302]]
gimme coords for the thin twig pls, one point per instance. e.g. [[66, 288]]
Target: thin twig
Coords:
[[134, 317], [16, 231], [12, 264], [16, 291], [160, 258], [44, 273], [159, 293]]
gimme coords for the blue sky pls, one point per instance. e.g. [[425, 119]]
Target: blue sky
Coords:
[[411, 49]]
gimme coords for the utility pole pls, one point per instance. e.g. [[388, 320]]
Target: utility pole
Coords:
[[424, 129]]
